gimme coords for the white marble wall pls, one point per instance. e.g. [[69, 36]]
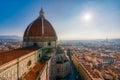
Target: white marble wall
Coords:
[[53, 44], [9, 72], [62, 69], [17, 67], [23, 63], [40, 44], [39, 55], [43, 75]]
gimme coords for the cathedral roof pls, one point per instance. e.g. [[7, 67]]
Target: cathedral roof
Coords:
[[34, 72], [40, 28], [8, 56]]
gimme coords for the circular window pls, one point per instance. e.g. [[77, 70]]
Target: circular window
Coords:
[[49, 44], [29, 63]]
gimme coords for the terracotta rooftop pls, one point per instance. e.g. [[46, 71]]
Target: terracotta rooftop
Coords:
[[92, 73], [35, 29], [34, 72], [87, 67], [39, 28], [14, 54]]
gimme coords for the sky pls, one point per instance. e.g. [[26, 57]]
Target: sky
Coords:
[[72, 19]]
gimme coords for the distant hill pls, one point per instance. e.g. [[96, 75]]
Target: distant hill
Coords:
[[10, 37]]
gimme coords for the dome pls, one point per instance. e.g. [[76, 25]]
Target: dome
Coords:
[[40, 30]]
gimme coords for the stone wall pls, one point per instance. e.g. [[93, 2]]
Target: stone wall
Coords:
[[17, 68], [49, 44]]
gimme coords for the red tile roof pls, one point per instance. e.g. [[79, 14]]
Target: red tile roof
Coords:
[[87, 67], [34, 72], [35, 29], [14, 54]]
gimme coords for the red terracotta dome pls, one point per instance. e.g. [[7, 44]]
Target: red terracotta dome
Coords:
[[40, 30]]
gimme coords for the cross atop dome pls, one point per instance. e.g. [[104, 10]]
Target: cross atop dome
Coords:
[[41, 13]]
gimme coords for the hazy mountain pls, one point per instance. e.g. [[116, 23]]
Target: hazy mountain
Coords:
[[10, 37]]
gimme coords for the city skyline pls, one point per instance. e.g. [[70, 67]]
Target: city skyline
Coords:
[[72, 20]]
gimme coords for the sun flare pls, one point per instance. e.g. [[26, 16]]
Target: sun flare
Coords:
[[87, 17]]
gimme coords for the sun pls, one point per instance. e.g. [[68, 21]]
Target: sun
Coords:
[[87, 17]]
